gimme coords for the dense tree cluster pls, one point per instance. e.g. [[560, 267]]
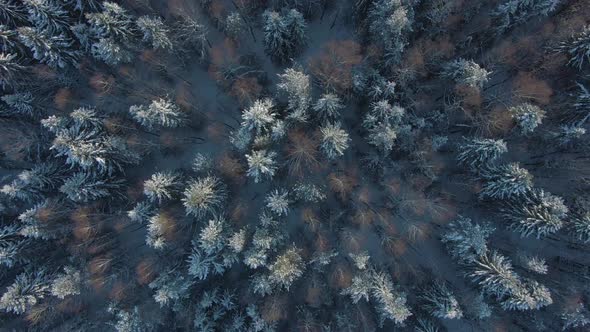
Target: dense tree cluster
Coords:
[[294, 165]]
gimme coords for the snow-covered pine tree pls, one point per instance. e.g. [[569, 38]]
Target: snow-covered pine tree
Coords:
[[204, 196], [466, 72], [480, 152], [27, 290], [539, 213], [507, 181], [54, 50], [161, 112], [466, 240], [335, 140], [261, 164], [155, 32], [527, 116]]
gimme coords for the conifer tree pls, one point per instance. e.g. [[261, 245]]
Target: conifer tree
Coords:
[[508, 181], [203, 196], [539, 213]]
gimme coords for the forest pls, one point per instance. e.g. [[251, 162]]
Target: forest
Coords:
[[294, 165]]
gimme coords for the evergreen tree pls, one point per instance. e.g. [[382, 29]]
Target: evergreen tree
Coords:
[[284, 35], [234, 25], [391, 303], [480, 152], [204, 196], [67, 283], [141, 212], [259, 117], [85, 187], [112, 22], [170, 288], [161, 187], [335, 140], [162, 112], [328, 107], [527, 116], [26, 291], [278, 202], [513, 12], [508, 181], [576, 318], [577, 48], [582, 105], [466, 72], [287, 268], [154, 32], [47, 15], [261, 164], [11, 245], [465, 240], [360, 288], [580, 226], [440, 302], [21, 103], [539, 214], [55, 51], [11, 12], [390, 21], [111, 52], [297, 87], [11, 72]]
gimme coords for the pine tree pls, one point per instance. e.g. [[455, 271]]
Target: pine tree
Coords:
[[67, 283], [480, 152], [287, 268], [296, 85], [440, 302], [539, 213], [11, 13], [154, 32], [161, 186], [259, 117], [360, 287], [513, 12], [577, 48], [43, 221], [328, 107], [170, 287], [465, 240], [308, 192], [383, 136], [391, 303], [389, 22], [580, 226], [85, 187], [568, 135], [527, 116], [141, 212], [507, 181], [26, 291], [55, 51], [162, 112], [47, 15], [296, 30], [112, 22], [11, 72], [335, 140], [278, 202], [111, 52], [234, 25], [582, 105], [21, 103], [466, 72], [204, 196], [261, 164], [576, 318], [276, 41], [11, 245]]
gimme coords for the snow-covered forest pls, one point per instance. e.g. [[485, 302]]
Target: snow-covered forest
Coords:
[[294, 165]]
